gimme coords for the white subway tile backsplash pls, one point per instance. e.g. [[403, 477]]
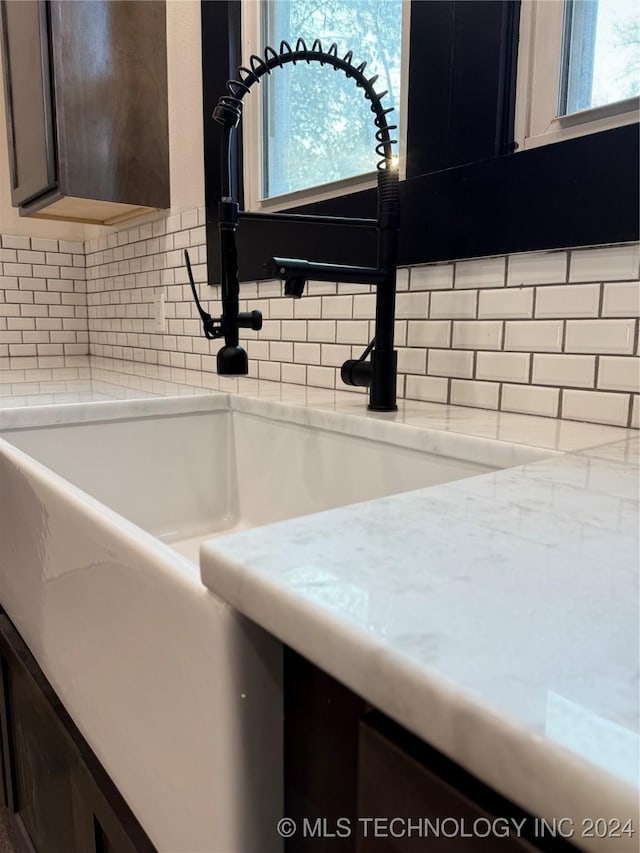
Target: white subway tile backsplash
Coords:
[[411, 305], [530, 400], [503, 366], [537, 268], [402, 279], [477, 334], [364, 306], [280, 308], [17, 269], [308, 307], [45, 245], [74, 247], [450, 362], [453, 304], [600, 336], [515, 303], [431, 277], [344, 288], [191, 361], [9, 242], [352, 332], [480, 272], [294, 330], [257, 349], [306, 353], [596, 407], [334, 355], [21, 349], [619, 373], [30, 291], [323, 331], [59, 258], [500, 358], [568, 301], [44, 271], [294, 373], [564, 370], [269, 370], [533, 335], [412, 360], [635, 416], [322, 377], [427, 388], [483, 395], [400, 333], [18, 323], [605, 264], [429, 333], [621, 299], [319, 288], [26, 256], [337, 307]]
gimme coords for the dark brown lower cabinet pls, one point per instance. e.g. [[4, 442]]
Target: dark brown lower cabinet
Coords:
[[61, 797], [357, 782]]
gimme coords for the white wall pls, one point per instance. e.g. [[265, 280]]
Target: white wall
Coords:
[[184, 71]]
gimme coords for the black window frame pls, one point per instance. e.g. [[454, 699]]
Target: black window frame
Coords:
[[468, 192]]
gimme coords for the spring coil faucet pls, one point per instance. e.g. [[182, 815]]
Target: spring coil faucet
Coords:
[[378, 374]]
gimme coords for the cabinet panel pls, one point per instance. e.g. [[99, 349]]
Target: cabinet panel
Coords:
[[43, 765], [320, 754], [28, 98], [87, 109], [99, 828], [395, 783], [346, 760], [111, 99], [62, 798]]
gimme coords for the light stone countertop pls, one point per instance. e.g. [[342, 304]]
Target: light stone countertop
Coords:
[[57, 389], [496, 617]]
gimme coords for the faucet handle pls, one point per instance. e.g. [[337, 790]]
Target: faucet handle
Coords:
[[209, 327], [250, 320], [213, 330], [358, 371]]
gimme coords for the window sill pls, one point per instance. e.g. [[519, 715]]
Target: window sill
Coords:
[[585, 122], [323, 192]]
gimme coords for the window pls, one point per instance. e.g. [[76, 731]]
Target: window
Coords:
[[458, 193], [578, 68], [308, 131]]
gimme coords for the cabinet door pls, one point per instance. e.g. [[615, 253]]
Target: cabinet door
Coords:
[[61, 796], [110, 83], [44, 764], [392, 783], [101, 825], [28, 98]]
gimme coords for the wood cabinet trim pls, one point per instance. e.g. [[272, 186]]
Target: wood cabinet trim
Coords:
[[24, 191], [95, 794]]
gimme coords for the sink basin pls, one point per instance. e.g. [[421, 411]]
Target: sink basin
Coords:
[[188, 477]]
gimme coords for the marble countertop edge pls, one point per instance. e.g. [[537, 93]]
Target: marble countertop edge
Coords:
[[501, 752]]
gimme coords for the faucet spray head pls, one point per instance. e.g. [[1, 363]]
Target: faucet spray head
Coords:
[[232, 361], [293, 272], [294, 286]]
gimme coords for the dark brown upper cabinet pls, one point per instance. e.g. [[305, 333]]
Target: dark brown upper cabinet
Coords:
[[86, 102]]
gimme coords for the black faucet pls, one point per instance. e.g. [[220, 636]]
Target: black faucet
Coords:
[[378, 374]]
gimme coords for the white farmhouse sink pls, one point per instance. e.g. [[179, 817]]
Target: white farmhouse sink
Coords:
[[100, 521], [187, 477]]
